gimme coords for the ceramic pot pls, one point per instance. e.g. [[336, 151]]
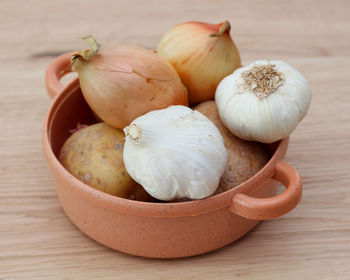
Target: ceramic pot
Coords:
[[159, 230]]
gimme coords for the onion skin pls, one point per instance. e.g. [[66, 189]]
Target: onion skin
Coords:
[[202, 54], [125, 82]]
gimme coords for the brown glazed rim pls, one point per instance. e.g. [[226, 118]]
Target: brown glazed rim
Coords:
[[150, 209]]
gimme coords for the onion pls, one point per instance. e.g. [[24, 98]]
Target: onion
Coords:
[[202, 54], [125, 82]]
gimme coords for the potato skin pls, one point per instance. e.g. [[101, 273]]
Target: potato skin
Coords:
[[245, 158], [94, 155]]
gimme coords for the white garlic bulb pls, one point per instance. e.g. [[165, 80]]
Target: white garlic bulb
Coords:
[[263, 101], [175, 153]]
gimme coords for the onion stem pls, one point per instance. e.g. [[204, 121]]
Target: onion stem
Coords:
[[86, 54], [225, 27]]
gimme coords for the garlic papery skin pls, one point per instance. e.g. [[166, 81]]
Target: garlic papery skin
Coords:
[[202, 54], [175, 153], [263, 101]]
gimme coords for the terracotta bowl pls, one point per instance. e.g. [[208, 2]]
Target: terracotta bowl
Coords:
[[159, 230]]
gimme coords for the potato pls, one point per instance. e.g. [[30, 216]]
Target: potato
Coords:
[[94, 155], [245, 158]]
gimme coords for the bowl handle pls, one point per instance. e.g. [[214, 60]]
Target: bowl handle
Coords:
[[272, 207], [55, 71]]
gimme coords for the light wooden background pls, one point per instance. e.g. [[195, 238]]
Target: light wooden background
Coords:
[[37, 241]]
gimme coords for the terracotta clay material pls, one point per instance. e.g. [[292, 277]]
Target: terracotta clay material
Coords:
[[159, 230]]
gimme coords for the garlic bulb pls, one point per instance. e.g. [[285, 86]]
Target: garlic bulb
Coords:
[[175, 153], [263, 101], [202, 54]]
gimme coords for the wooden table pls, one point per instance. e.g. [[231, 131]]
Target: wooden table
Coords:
[[37, 241]]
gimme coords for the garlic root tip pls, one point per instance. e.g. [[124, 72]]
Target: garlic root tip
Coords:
[[134, 132]]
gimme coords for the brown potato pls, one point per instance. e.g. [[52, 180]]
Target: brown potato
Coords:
[[245, 158], [94, 155]]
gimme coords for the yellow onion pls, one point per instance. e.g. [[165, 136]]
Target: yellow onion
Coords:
[[202, 54], [124, 82]]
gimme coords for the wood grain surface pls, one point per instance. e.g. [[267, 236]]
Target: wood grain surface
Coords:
[[37, 241]]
